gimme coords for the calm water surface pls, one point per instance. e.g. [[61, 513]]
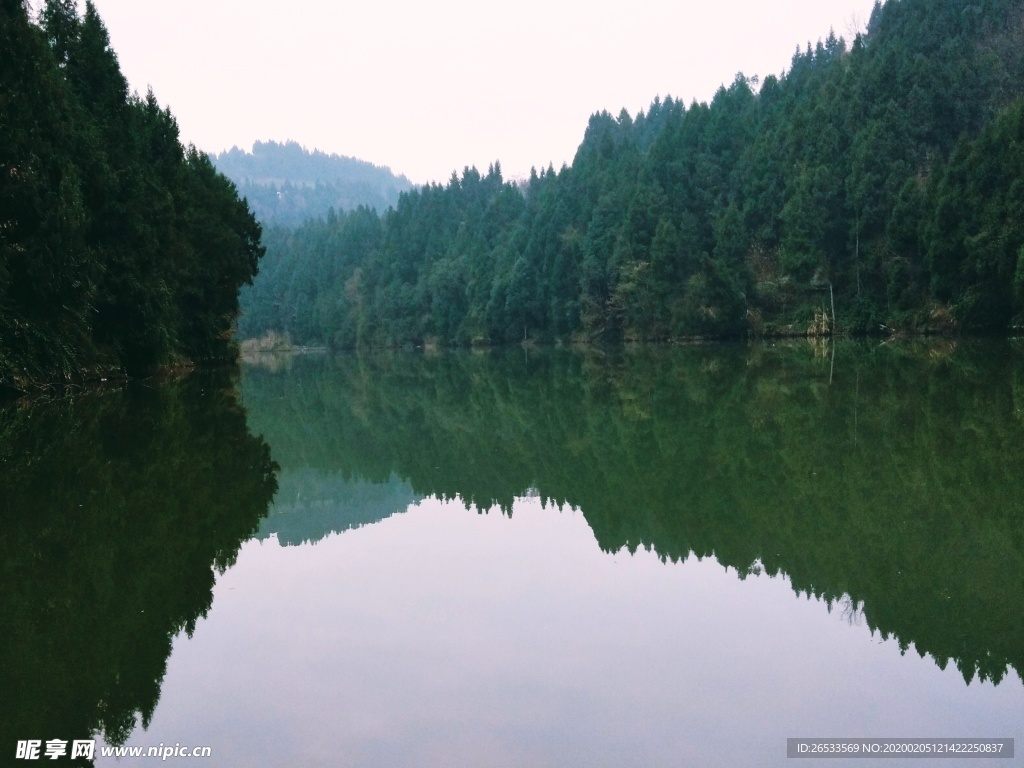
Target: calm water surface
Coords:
[[641, 557]]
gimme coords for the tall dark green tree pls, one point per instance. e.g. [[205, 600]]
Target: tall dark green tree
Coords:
[[119, 247]]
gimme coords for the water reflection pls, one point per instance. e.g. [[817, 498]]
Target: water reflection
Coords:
[[441, 637], [313, 503], [886, 481], [117, 510]]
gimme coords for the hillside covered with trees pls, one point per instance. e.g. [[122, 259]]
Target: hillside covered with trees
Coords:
[[286, 184], [120, 249], [878, 183]]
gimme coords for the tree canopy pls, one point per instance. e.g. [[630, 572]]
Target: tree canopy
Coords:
[[879, 175], [120, 249]]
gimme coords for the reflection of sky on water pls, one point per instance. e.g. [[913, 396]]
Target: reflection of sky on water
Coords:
[[444, 637]]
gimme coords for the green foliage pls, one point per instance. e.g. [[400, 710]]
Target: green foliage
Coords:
[[119, 248], [887, 169], [976, 224]]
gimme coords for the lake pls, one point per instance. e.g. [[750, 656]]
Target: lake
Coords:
[[542, 557]]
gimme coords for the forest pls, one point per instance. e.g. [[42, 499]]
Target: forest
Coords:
[[121, 250], [876, 186], [287, 184]]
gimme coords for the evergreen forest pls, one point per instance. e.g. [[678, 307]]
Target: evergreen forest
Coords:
[[876, 186], [287, 184], [120, 249]]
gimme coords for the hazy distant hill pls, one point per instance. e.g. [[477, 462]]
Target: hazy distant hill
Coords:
[[287, 184]]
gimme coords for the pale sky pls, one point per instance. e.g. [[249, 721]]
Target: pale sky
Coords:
[[430, 87]]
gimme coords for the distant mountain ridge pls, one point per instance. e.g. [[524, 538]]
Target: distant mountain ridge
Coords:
[[286, 184]]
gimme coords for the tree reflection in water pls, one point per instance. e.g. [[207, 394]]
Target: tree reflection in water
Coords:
[[117, 510], [887, 481]]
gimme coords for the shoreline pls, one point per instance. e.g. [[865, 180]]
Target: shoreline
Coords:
[[97, 377]]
